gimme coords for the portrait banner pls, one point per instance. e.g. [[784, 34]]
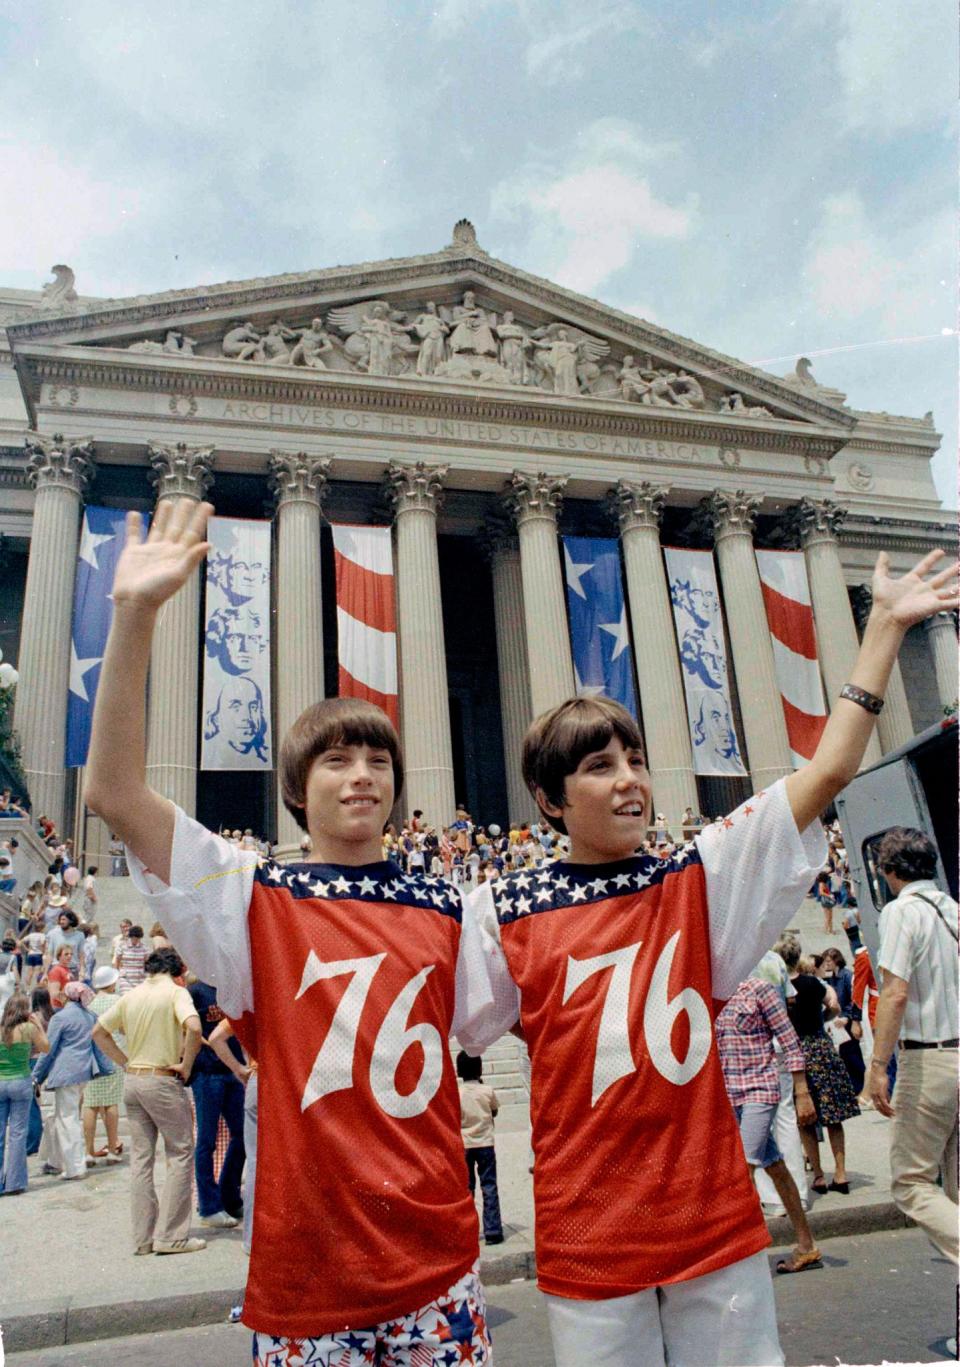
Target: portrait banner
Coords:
[[236, 655], [102, 539], [599, 636], [366, 616], [699, 627], [786, 597]]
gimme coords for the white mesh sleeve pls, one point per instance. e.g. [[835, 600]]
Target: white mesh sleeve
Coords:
[[488, 1001], [204, 908], [758, 868]]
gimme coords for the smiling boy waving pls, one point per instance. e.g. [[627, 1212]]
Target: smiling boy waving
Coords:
[[340, 975], [649, 1233]]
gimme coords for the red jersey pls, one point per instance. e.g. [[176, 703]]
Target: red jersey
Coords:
[[631, 1119], [640, 1178], [362, 1210], [865, 984]]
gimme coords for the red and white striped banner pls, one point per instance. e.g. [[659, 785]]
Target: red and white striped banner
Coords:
[[786, 596], [366, 616]]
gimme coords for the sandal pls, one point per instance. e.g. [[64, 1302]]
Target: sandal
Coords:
[[842, 1187], [800, 1262], [819, 1185]]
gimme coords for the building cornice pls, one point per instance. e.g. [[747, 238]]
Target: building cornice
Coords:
[[203, 377], [900, 533], [460, 265]]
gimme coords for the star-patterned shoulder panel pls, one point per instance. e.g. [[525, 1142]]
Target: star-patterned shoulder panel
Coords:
[[367, 883], [560, 884]]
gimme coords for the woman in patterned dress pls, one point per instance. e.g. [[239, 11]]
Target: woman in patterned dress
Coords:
[[828, 1080], [103, 1095]]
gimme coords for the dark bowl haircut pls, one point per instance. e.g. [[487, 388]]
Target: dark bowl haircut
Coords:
[[559, 739], [336, 721], [908, 853]]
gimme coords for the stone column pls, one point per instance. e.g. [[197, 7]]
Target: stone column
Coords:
[[59, 470], [534, 501], [179, 471], [894, 724], [503, 550], [299, 482], [639, 508], [941, 630], [761, 708], [818, 522], [424, 701]]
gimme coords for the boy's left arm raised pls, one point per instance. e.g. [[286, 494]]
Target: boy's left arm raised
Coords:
[[150, 572]]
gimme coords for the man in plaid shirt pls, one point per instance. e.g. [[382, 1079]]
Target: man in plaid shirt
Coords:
[[745, 1030]]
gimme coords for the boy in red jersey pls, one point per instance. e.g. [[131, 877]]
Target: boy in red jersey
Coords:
[[649, 1232], [340, 975]]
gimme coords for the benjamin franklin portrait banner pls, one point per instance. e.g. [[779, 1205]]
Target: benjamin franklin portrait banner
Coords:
[[703, 659], [236, 655]]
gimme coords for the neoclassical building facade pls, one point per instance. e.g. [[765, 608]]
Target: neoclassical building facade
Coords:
[[480, 411]]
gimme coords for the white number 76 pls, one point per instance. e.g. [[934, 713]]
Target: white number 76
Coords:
[[332, 1069], [614, 1056]]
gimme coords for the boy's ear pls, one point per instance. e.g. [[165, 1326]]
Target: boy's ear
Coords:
[[545, 805]]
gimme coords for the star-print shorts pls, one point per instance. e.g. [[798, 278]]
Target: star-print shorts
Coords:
[[450, 1331]]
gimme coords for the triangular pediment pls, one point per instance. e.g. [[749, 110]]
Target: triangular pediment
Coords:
[[454, 317]]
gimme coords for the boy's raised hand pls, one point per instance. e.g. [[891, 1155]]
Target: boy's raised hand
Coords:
[[913, 597], [151, 571]]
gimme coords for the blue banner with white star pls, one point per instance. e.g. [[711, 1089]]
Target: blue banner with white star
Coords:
[[599, 636], [101, 541]]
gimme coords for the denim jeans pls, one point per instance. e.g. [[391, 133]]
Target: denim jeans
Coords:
[[482, 1163], [16, 1094], [216, 1094], [34, 1127]]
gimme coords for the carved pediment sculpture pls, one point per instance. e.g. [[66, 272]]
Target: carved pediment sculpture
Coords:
[[734, 403], [567, 359], [58, 294], [378, 340]]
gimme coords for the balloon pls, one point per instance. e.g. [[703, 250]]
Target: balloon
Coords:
[[494, 831], [71, 877], [8, 676]]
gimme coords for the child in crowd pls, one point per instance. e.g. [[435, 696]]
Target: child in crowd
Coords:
[[478, 1107], [340, 976], [650, 1238]]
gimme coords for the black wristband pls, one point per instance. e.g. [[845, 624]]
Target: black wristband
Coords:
[[870, 701]]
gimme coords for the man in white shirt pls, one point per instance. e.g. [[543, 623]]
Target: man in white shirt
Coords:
[[918, 1003]]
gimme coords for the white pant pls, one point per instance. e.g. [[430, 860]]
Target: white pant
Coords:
[[723, 1319], [787, 1135], [61, 1145]]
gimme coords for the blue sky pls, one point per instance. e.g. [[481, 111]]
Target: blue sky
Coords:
[[773, 179]]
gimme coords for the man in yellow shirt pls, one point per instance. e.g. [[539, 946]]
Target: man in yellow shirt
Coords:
[[163, 1035]]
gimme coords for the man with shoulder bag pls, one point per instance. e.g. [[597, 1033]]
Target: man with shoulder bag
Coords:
[[918, 1004]]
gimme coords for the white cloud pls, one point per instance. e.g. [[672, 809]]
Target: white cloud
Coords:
[[897, 62], [901, 284], [561, 48], [583, 220], [57, 209]]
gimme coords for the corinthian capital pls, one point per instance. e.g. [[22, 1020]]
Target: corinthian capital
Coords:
[[725, 514], [180, 471], [531, 496], [816, 519], [296, 477], [418, 486], [55, 462], [637, 505], [498, 533]]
